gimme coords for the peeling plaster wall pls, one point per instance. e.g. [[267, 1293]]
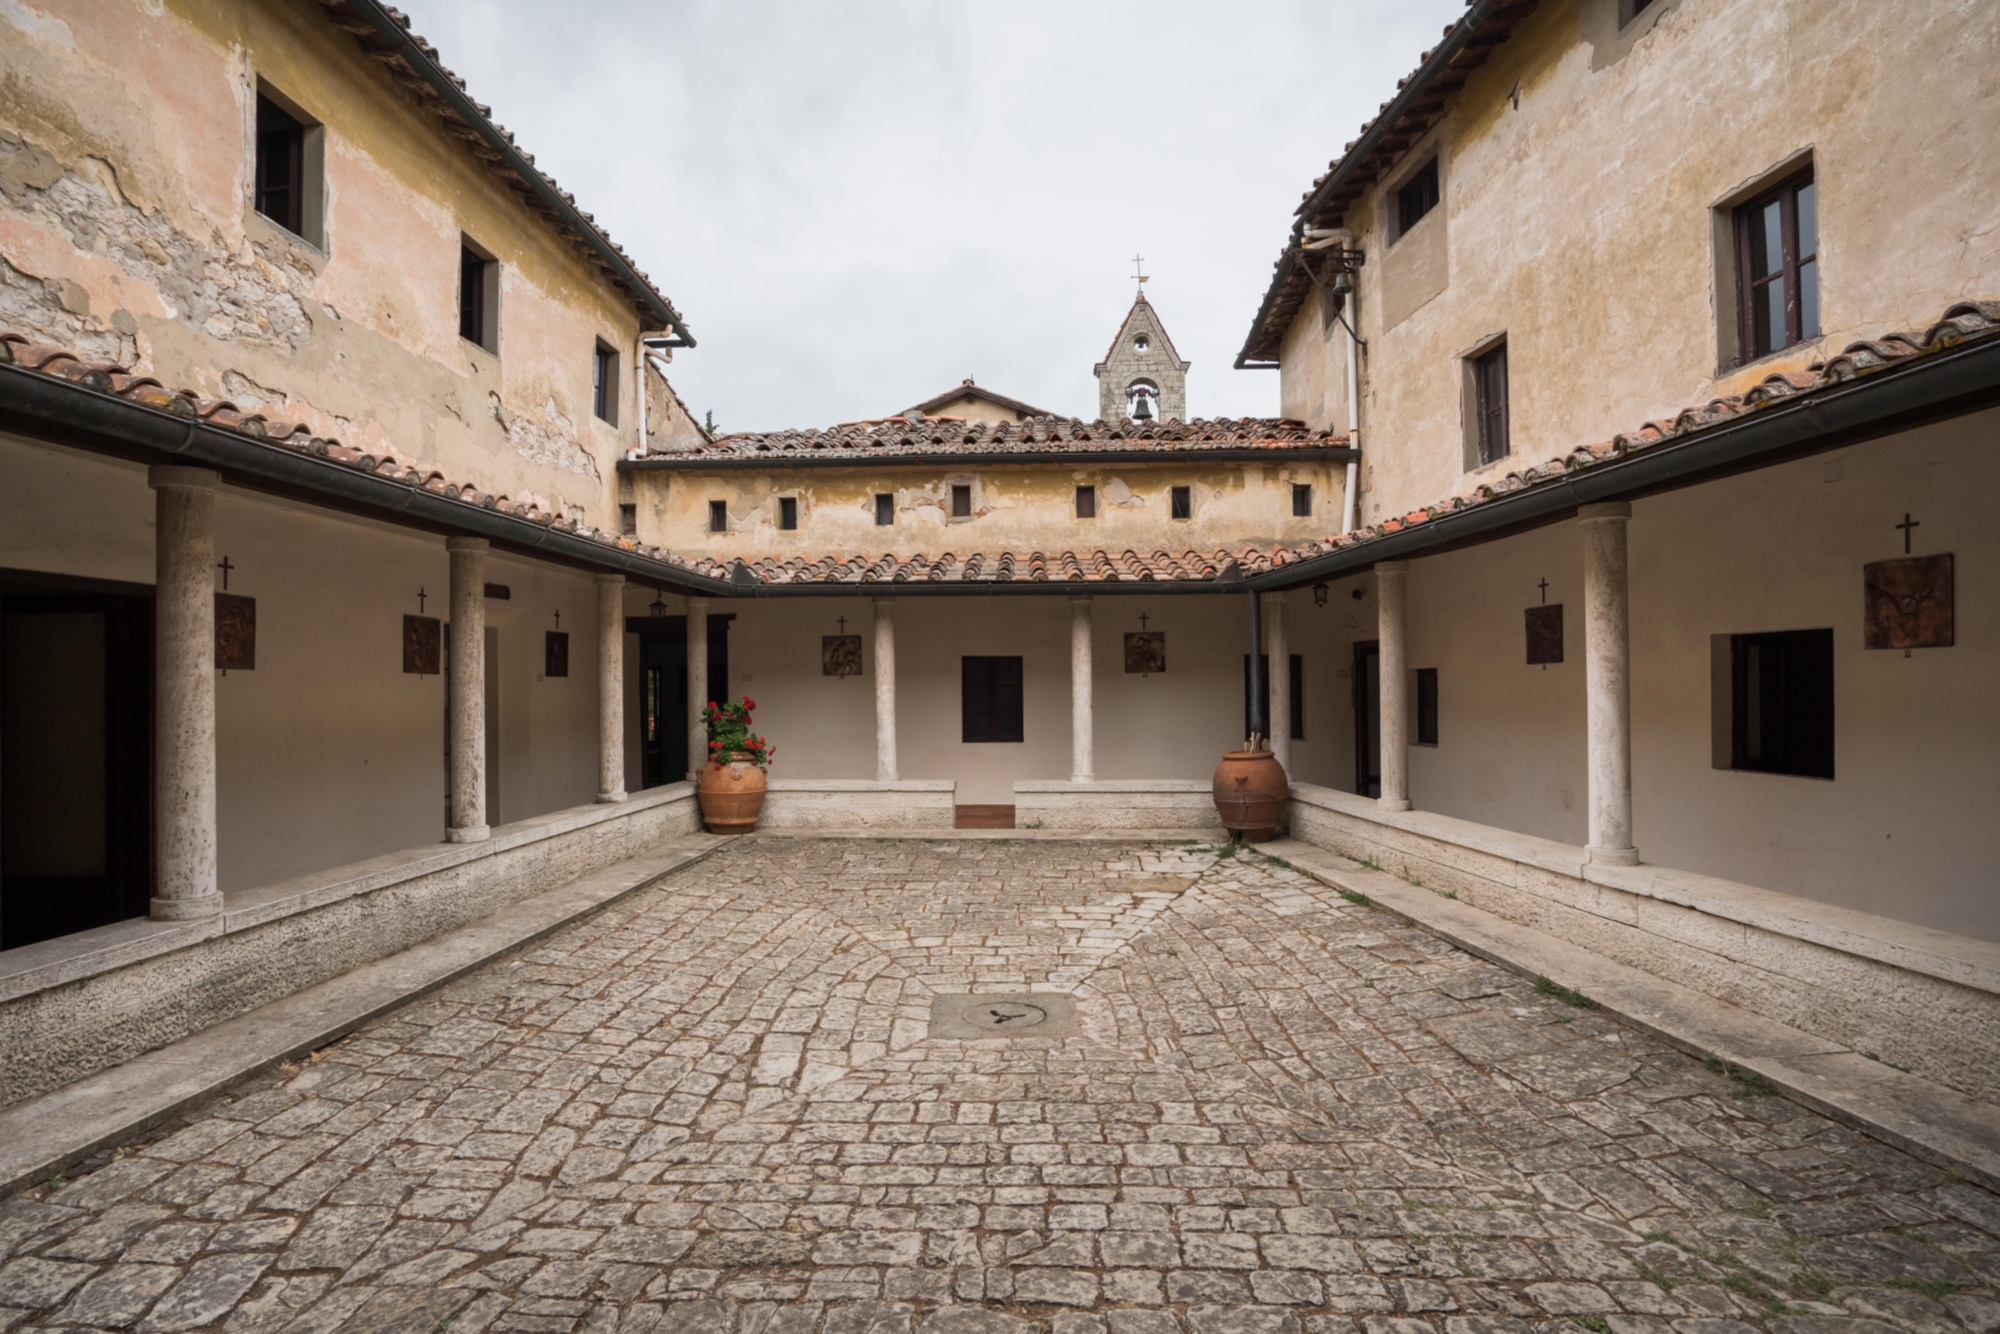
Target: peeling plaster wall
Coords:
[[126, 153], [1015, 508], [1581, 223]]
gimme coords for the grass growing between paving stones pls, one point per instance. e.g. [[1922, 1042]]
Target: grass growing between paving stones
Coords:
[[1564, 994], [1742, 1279], [1593, 1322], [1358, 900], [1926, 1287], [1749, 1084]]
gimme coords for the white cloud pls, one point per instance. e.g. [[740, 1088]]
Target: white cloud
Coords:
[[856, 205]]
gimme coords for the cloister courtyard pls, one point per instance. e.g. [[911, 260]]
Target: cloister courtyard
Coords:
[[1234, 1099]]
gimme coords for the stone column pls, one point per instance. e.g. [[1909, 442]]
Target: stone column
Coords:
[[1390, 578], [1608, 682], [1278, 647], [468, 690], [1081, 760], [184, 693], [610, 687], [885, 690], [697, 642]]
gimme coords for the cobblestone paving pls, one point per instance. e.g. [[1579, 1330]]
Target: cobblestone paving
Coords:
[[713, 1109]]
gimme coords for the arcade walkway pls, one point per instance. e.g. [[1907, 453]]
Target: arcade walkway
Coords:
[[718, 1106]]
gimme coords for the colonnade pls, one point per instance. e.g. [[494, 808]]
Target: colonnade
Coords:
[[185, 885]]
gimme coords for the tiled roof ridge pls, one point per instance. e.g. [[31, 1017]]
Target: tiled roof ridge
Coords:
[[372, 43], [1038, 435], [1962, 322], [1097, 565], [377, 460]]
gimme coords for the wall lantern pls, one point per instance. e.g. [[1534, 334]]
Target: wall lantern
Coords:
[[1320, 592], [658, 606]]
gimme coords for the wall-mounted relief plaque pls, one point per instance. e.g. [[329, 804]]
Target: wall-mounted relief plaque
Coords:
[[555, 653], [422, 639], [840, 655], [235, 632], [1545, 635], [1909, 603], [1146, 651]]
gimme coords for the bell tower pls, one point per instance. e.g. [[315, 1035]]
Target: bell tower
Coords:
[[1141, 378]]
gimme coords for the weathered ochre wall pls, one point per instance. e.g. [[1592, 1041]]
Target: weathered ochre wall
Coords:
[[126, 156], [1015, 508], [1582, 173]]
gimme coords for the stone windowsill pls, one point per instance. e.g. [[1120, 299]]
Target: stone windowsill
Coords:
[[1920, 949], [104, 949]]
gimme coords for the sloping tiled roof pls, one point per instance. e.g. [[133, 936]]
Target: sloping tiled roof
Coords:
[[58, 364], [412, 63], [1096, 566], [899, 440], [970, 390], [1403, 120], [1965, 322]]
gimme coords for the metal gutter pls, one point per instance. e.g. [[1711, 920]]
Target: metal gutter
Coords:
[[62, 411], [397, 36], [1462, 34], [734, 463], [1926, 389], [992, 588]]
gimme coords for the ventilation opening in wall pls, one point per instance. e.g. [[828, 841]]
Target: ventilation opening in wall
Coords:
[[788, 512], [718, 516], [885, 509], [961, 501], [1181, 502]]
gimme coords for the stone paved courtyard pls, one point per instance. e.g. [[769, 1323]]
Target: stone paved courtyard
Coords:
[[714, 1107]]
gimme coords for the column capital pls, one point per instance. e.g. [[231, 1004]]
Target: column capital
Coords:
[[881, 602], [1080, 597], [696, 602], [1609, 509], [605, 579], [1391, 568], [461, 542], [162, 476]]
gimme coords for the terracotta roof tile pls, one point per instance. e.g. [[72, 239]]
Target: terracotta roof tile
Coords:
[[898, 438]]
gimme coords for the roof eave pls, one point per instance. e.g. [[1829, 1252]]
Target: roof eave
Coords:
[[737, 463]]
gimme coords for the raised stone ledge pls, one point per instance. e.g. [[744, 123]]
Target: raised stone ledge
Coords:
[[1848, 976], [858, 803], [1117, 803], [83, 1002]]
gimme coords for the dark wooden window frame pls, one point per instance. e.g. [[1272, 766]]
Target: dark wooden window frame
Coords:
[[1417, 196], [604, 382], [885, 508], [990, 692], [1086, 502], [280, 182], [1180, 502], [478, 296], [788, 513], [961, 500], [718, 516], [1302, 500], [1492, 430], [1796, 273]]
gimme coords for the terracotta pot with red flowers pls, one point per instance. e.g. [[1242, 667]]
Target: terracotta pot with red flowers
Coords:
[[731, 785]]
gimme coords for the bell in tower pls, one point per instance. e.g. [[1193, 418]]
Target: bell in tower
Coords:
[[1142, 410]]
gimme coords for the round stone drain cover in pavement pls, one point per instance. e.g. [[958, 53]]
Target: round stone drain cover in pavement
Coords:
[[1019, 1014]]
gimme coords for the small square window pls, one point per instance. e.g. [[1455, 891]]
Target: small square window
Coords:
[[1781, 703], [1427, 706], [1418, 196], [628, 519], [1302, 500], [718, 516], [788, 512], [604, 382], [285, 186], [961, 501], [1086, 502], [990, 691], [885, 509], [478, 296], [1181, 499], [1491, 441]]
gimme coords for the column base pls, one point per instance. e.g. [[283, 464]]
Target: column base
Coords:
[[1614, 856], [1392, 803], [478, 833], [185, 910], [611, 798], [1083, 778]]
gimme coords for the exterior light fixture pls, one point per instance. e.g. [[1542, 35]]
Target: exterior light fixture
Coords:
[[658, 605], [1320, 592]]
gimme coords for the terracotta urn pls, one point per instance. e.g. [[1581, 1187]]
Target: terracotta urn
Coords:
[[731, 792], [1250, 793]]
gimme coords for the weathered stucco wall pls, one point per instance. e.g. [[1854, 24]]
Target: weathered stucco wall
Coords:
[[127, 150], [1582, 171], [1018, 509]]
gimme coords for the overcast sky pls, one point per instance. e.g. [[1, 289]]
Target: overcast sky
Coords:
[[855, 205]]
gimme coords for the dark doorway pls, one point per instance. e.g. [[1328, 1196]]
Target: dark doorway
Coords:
[[1368, 718], [76, 755], [663, 690]]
